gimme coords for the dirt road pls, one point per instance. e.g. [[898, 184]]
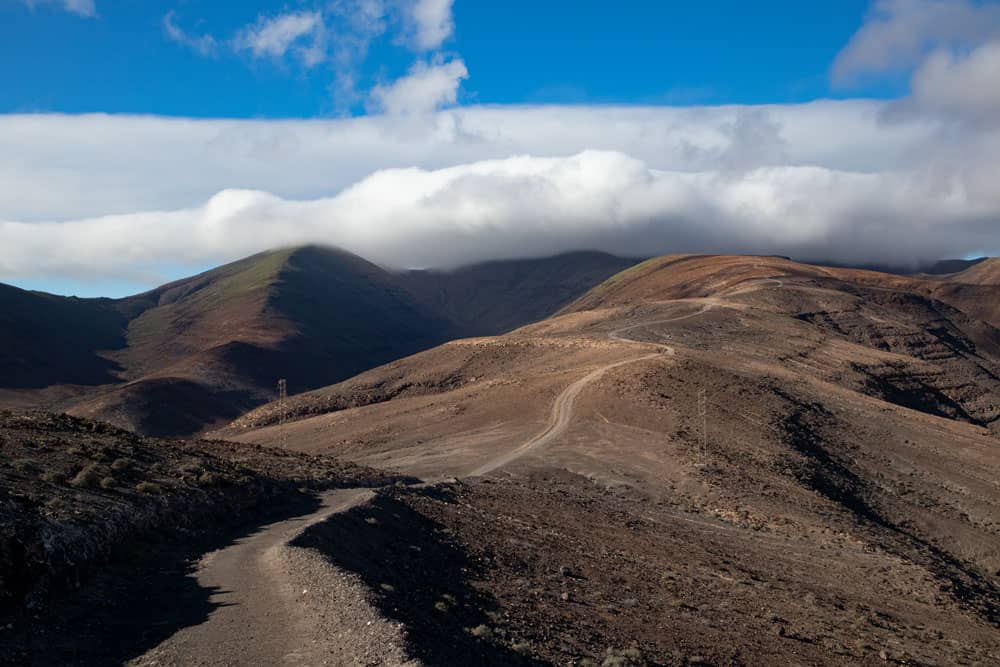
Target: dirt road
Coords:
[[282, 605], [562, 409], [559, 419]]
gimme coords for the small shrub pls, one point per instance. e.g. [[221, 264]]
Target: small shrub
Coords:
[[388, 588], [121, 465], [55, 504], [371, 521], [521, 648], [26, 467], [441, 605], [88, 477], [481, 632], [53, 476], [149, 488], [193, 468], [633, 653], [208, 479], [108, 483]]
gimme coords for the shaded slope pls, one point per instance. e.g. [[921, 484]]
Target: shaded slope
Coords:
[[950, 266], [205, 349], [496, 297], [47, 339], [98, 525]]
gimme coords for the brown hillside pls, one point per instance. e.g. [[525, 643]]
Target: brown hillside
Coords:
[[739, 459], [198, 352], [986, 272]]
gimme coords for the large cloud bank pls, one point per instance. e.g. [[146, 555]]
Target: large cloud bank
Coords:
[[825, 181]]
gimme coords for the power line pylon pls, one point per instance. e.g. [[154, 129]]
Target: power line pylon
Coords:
[[282, 396], [703, 413]]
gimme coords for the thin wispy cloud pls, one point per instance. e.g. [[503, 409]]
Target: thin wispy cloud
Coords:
[[205, 45], [433, 23], [339, 35], [84, 8], [357, 24], [302, 33]]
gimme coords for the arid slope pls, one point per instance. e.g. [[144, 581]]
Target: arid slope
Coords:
[[734, 460], [200, 351]]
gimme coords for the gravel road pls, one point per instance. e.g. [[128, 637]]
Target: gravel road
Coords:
[[284, 605]]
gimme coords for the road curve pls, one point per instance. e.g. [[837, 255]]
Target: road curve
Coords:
[[561, 414], [559, 418], [281, 605]]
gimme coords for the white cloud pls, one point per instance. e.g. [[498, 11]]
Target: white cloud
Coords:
[[425, 88], [897, 34], [432, 23], [205, 45], [358, 24], [59, 167], [85, 8], [523, 206], [950, 48], [303, 32], [836, 184], [965, 87]]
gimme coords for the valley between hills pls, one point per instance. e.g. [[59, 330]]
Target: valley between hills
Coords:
[[585, 460]]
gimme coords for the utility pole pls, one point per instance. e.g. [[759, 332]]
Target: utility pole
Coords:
[[703, 412], [282, 395]]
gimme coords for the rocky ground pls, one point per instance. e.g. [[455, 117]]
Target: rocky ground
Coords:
[[95, 520], [751, 461], [553, 568]]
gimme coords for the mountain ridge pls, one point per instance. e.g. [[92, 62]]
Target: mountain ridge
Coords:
[[197, 352]]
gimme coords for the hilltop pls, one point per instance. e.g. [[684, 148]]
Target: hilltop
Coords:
[[983, 272]]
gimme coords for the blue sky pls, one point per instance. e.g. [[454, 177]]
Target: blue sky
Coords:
[[640, 52], [144, 141]]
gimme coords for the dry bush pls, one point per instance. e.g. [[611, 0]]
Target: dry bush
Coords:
[[88, 478], [26, 466], [149, 488], [53, 476]]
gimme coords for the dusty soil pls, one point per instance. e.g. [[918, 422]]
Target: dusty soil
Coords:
[[809, 478], [568, 572]]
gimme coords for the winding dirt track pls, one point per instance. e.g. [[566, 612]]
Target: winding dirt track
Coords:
[[562, 409], [559, 419], [280, 605]]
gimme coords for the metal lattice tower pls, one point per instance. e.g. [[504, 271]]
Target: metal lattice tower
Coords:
[[703, 413], [282, 396]]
